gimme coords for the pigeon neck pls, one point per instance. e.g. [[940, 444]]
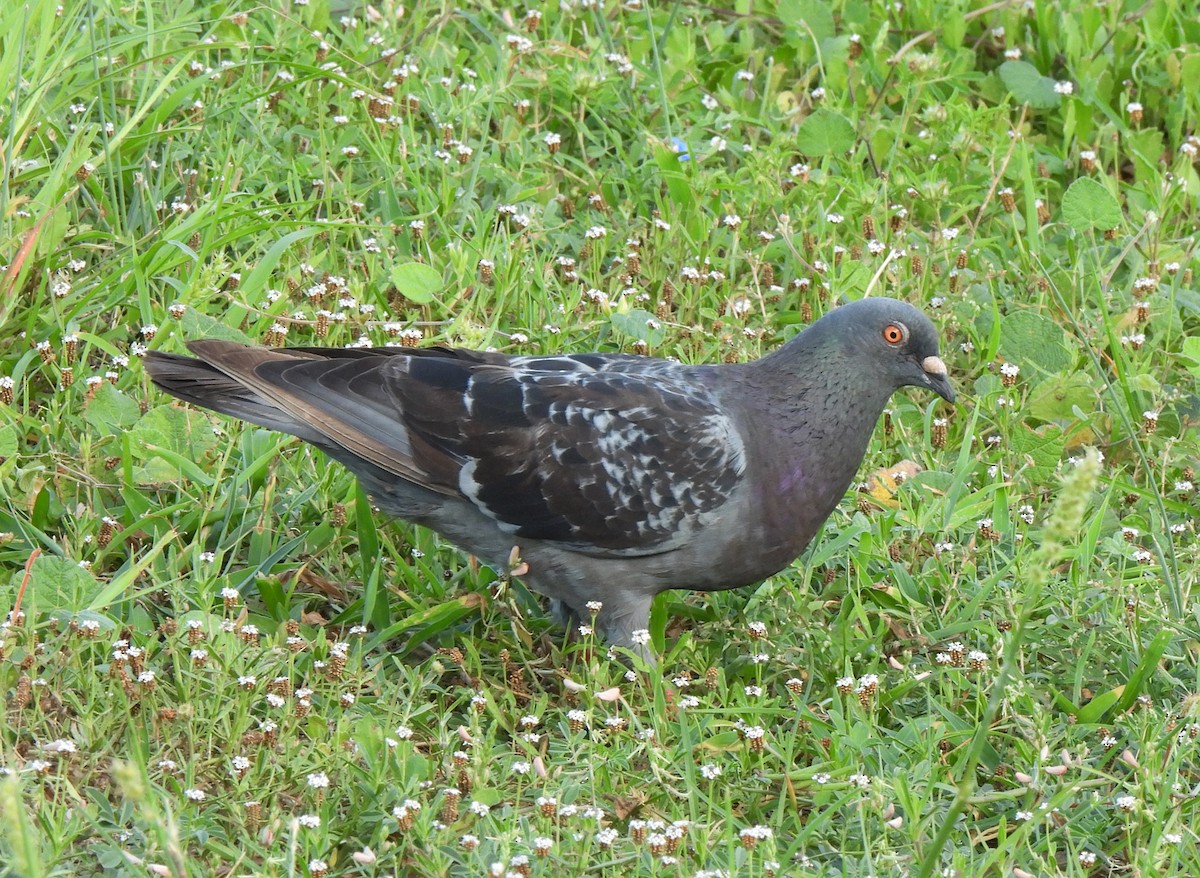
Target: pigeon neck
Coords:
[[821, 409]]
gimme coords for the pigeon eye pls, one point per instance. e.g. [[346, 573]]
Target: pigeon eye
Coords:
[[894, 333]]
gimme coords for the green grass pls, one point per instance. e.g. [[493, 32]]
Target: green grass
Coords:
[[991, 671]]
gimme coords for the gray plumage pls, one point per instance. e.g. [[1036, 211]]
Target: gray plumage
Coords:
[[613, 477]]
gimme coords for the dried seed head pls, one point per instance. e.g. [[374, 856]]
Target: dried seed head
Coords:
[[104, 537], [576, 721], [453, 654], [24, 692], [451, 797], [487, 272], [916, 265], [70, 346], [1008, 200], [1149, 422], [957, 653], [937, 433]]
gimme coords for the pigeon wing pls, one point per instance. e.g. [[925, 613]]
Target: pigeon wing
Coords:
[[609, 455]]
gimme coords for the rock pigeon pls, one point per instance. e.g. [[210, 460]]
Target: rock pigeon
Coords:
[[601, 478]]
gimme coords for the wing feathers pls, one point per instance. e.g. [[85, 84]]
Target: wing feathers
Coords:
[[609, 454]]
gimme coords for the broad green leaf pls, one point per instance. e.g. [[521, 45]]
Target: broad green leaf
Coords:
[[1042, 448], [954, 29], [110, 411], [825, 132], [1056, 398], [1191, 350], [1028, 86], [181, 435], [57, 583], [1087, 205], [807, 19], [1029, 339], [1188, 300], [416, 281], [8, 441], [639, 324], [195, 324]]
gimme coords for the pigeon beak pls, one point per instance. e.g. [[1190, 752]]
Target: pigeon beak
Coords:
[[937, 379]]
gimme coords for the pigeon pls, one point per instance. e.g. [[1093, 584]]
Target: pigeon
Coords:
[[600, 479]]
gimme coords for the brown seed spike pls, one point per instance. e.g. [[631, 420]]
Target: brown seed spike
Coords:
[[24, 692], [937, 433], [253, 818]]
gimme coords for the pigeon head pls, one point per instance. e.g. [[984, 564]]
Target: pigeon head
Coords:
[[898, 342], [867, 350]]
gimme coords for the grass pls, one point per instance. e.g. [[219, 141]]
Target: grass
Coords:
[[221, 662]]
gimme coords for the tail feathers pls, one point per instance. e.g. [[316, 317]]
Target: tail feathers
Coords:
[[200, 384]]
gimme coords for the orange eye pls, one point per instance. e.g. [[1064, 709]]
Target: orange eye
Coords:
[[893, 334]]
